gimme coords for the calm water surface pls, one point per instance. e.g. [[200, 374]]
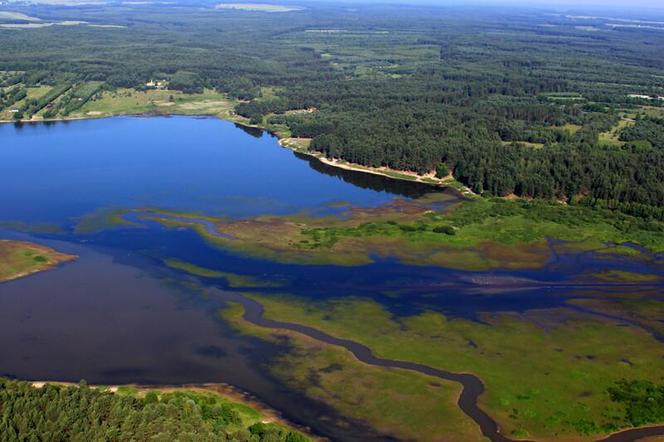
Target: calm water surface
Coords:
[[117, 315]]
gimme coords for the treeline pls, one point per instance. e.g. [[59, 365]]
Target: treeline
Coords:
[[422, 136], [643, 401], [417, 89], [81, 413]]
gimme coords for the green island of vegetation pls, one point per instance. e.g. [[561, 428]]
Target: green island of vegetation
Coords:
[[20, 258], [475, 235], [54, 411]]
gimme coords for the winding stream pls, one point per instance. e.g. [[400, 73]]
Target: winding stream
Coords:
[[472, 385]]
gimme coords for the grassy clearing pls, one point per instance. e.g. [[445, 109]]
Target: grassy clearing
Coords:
[[563, 97], [297, 144], [368, 54], [653, 111], [612, 136], [546, 372], [18, 259], [571, 128], [524, 144], [133, 102], [406, 405]]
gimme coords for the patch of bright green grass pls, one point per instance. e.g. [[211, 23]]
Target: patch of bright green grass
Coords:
[[506, 222], [612, 136], [132, 102]]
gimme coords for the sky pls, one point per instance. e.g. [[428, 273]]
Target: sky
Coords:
[[627, 5], [611, 4]]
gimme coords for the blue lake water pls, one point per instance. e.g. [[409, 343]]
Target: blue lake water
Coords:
[[64, 170], [118, 315]]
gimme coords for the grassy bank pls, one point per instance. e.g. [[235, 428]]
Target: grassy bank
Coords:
[[394, 402], [547, 373], [19, 258]]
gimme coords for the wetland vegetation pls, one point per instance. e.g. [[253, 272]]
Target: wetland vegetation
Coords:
[[19, 258], [540, 276], [475, 235], [547, 373]]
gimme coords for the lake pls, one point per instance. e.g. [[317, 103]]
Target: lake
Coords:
[[119, 315]]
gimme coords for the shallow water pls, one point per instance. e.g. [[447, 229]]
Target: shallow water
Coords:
[[118, 315]]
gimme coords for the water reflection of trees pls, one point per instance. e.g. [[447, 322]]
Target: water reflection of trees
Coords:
[[365, 180]]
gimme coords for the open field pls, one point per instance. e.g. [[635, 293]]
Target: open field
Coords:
[[18, 259], [128, 102]]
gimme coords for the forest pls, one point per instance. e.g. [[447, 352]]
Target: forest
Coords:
[[534, 104], [82, 413]]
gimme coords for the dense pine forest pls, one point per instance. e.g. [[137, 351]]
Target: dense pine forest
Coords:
[[533, 103], [81, 413]]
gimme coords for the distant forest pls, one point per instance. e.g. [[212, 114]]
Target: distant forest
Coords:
[[526, 103]]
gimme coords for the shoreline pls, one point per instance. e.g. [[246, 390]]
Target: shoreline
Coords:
[[287, 143], [224, 390], [402, 175], [58, 259]]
